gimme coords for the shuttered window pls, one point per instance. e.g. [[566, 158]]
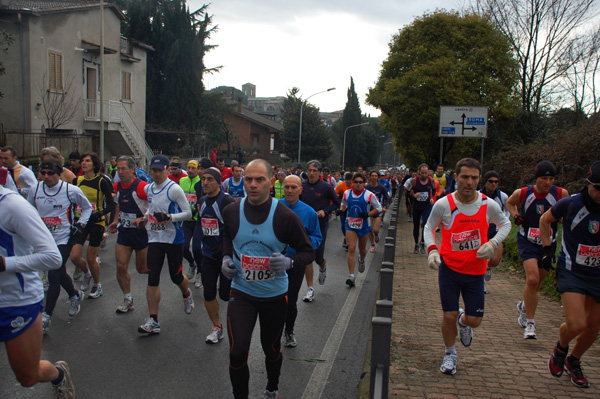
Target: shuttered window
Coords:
[[125, 86], [55, 71]]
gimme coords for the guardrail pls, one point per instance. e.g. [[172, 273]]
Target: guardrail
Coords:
[[382, 322]]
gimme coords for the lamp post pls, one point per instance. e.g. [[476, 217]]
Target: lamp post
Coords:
[[344, 150], [302, 106]]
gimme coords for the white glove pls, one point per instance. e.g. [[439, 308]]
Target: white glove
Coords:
[[486, 251], [434, 259], [228, 268], [279, 263]]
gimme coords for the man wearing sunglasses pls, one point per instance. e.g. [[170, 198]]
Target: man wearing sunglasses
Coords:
[[490, 189], [534, 200], [577, 274], [175, 171]]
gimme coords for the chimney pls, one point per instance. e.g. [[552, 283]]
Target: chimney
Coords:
[[240, 105]]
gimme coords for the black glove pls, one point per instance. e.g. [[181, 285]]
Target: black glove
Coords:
[[77, 231], [363, 215], [194, 212], [548, 257], [519, 220], [161, 217], [95, 217], [2, 264]]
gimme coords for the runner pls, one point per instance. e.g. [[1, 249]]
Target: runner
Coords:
[[341, 188], [320, 196], [310, 220], [55, 202], [224, 170], [422, 190], [577, 274], [167, 208], [381, 193], [208, 246], [26, 248], [234, 186], [443, 179], [23, 177], [328, 178], [188, 184], [462, 257], [361, 204], [98, 191], [278, 185], [534, 200], [175, 172], [256, 230], [52, 152], [132, 204], [75, 161]]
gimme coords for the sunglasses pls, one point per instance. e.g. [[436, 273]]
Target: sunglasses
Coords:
[[359, 182], [596, 186], [47, 172], [494, 181]]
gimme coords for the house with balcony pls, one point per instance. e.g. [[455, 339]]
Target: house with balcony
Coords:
[[54, 74]]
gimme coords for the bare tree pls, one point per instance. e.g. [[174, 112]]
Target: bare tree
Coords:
[[59, 107], [541, 33]]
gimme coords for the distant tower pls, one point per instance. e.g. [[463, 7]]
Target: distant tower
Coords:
[[249, 90]]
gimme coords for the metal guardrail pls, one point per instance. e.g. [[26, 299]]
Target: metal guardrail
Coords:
[[382, 322]]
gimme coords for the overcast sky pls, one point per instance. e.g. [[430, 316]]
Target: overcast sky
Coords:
[[309, 44]]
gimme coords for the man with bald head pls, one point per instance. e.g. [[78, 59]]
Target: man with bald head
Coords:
[[292, 187]]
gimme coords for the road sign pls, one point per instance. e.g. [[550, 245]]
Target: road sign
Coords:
[[458, 121]]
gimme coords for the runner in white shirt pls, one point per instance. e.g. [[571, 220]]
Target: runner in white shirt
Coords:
[[23, 177], [167, 209], [26, 248]]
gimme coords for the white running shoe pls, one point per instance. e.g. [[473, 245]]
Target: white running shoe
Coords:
[[77, 274], [361, 265], [449, 364], [290, 340], [310, 295], [65, 389], [215, 335], [96, 292], [522, 320], [127, 306], [198, 283], [373, 248], [191, 273], [466, 332], [488, 274], [46, 322], [75, 301], [188, 303], [150, 326], [322, 276], [85, 283], [529, 332]]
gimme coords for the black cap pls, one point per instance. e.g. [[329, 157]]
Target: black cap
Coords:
[[159, 161], [206, 163], [491, 173], [52, 164], [299, 166], [594, 173], [75, 155], [545, 168]]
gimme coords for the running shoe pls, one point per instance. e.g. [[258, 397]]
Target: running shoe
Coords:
[[344, 244], [150, 326], [46, 322], [466, 332], [98, 259], [422, 246], [484, 288], [310, 295], [449, 364], [322, 275], [65, 389], [188, 303], [96, 292], [198, 283], [127, 306], [350, 281], [271, 395], [573, 368], [488, 274], [361, 265], [215, 335], [104, 239], [416, 248], [530, 331], [75, 301], [191, 273], [556, 364], [85, 283], [410, 219], [290, 340], [373, 248], [376, 238], [522, 320], [77, 274]]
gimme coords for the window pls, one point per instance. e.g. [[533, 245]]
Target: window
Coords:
[[55, 71], [125, 86]]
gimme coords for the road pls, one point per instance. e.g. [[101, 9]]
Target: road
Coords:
[[109, 359]]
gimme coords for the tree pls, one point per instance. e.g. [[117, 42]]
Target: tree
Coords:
[[316, 140], [442, 59], [540, 33], [59, 107], [6, 39]]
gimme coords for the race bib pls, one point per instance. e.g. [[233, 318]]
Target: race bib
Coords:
[[466, 240], [126, 219], [191, 199], [53, 223], [155, 225], [256, 268], [355, 223], [210, 227], [533, 235], [588, 255], [423, 196]]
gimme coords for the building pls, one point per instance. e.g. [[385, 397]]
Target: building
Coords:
[[53, 79]]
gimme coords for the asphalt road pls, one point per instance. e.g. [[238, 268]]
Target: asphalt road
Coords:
[[110, 359]]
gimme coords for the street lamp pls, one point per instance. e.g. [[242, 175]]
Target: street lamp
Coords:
[[344, 150], [302, 106]]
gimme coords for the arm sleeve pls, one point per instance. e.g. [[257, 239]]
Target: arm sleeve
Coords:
[[290, 230], [178, 196], [141, 190], [314, 230], [26, 223], [435, 218], [496, 216]]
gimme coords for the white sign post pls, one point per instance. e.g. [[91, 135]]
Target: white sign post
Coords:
[[458, 122]]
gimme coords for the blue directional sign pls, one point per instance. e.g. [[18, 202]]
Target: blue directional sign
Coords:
[[458, 121]]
